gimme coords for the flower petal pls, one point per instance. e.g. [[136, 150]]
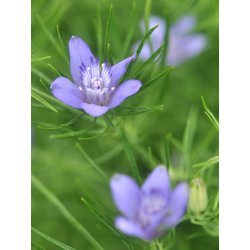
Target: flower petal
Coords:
[[126, 89], [118, 70], [132, 228], [67, 92], [182, 48], [145, 53], [194, 44], [184, 24], [79, 53], [159, 180], [125, 194], [177, 204], [129, 227], [159, 33], [157, 37], [93, 109]]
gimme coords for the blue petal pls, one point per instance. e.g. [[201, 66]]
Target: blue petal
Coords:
[[194, 44], [125, 194], [67, 92], [79, 53], [177, 204], [158, 35], [182, 48], [129, 227], [133, 228], [94, 110], [157, 180], [118, 70], [184, 24], [145, 53], [125, 90]]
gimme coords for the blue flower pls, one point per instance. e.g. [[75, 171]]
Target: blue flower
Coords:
[[148, 212], [95, 88], [181, 46]]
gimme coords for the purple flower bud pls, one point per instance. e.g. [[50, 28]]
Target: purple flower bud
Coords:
[[95, 87], [148, 212]]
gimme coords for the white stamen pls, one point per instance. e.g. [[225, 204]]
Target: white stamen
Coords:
[[96, 83]]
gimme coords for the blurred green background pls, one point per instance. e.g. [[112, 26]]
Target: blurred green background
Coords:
[[68, 165]]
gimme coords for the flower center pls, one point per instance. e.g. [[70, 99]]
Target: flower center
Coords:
[[153, 203], [153, 206], [96, 81]]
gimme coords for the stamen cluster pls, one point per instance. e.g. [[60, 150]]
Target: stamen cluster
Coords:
[[96, 81]]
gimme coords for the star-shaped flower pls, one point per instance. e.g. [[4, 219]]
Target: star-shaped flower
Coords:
[[148, 212], [182, 45], [95, 89]]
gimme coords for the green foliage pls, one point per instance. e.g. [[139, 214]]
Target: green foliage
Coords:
[[42, 101], [209, 114], [53, 241], [74, 155], [107, 37], [65, 213]]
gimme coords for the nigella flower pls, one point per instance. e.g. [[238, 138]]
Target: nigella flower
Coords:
[[148, 212], [95, 88], [181, 44]]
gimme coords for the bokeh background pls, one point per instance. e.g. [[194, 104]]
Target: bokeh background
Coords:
[[165, 123]]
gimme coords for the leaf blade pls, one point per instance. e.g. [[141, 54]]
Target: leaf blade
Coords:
[[43, 101], [51, 240], [91, 162], [64, 211], [210, 115], [149, 83], [107, 34]]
